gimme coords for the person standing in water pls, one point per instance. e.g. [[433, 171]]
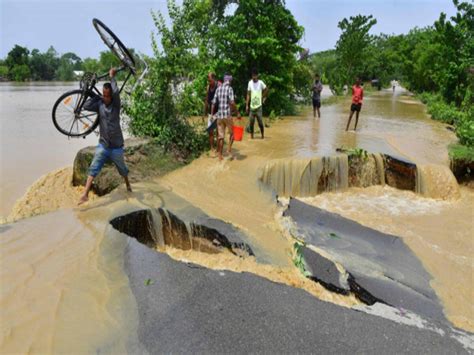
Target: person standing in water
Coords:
[[257, 93], [211, 122], [357, 97], [317, 88], [224, 102], [111, 138]]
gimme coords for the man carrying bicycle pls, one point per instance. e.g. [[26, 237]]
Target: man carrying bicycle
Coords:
[[111, 138]]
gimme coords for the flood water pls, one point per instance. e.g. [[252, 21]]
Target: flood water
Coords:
[[30, 145], [63, 286]]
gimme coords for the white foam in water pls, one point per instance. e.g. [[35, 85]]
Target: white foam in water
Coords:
[[385, 200]]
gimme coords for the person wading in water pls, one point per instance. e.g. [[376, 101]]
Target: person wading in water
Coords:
[[211, 122], [317, 88], [256, 95], [224, 101], [357, 97], [111, 138]]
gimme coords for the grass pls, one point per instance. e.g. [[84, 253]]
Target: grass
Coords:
[[461, 152], [298, 259]]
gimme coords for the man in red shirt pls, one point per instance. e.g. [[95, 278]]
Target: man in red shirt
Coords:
[[357, 96]]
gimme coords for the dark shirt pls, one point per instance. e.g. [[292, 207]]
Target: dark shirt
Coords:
[[317, 88], [109, 118]]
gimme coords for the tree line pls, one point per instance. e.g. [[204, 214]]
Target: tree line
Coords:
[[21, 64]]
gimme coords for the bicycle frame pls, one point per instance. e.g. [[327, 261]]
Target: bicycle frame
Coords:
[[94, 89]]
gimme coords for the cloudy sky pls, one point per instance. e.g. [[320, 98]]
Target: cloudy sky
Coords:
[[67, 25]]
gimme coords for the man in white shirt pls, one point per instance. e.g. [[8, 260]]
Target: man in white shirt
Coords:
[[257, 93]]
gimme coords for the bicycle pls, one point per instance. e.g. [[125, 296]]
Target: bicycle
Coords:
[[68, 115]]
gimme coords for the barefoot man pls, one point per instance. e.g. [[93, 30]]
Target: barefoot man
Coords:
[[224, 101], [317, 88], [357, 97], [111, 139]]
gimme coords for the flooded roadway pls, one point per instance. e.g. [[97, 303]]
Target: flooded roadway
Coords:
[[57, 274]]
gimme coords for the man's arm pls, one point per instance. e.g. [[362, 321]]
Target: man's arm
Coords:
[[92, 104], [115, 89], [247, 100], [233, 106], [361, 95]]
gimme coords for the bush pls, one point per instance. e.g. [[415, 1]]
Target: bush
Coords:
[[443, 112], [465, 131]]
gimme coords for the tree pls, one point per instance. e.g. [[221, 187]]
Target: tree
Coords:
[[67, 64], [265, 35], [352, 49], [44, 65], [20, 72], [17, 56], [90, 65], [17, 63], [107, 60]]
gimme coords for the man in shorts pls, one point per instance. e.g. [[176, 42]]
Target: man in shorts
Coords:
[[257, 93], [224, 101], [317, 88], [111, 139], [357, 97]]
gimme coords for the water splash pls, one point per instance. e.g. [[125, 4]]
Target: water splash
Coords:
[[307, 177], [436, 181]]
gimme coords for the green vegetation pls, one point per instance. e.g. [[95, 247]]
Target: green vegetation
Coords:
[[202, 37], [461, 152], [21, 64], [354, 152], [298, 258]]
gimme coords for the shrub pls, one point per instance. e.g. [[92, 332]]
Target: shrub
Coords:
[[465, 130]]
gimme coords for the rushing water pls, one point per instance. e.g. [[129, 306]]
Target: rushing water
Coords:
[[66, 287]]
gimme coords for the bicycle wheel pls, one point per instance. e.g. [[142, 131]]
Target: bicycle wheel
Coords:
[[70, 123], [115, 45]]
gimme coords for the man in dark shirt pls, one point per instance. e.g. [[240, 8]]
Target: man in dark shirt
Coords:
[[317, 88], [111, 139]]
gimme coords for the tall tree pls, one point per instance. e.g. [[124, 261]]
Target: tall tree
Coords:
[[17, 63], [352, 48]]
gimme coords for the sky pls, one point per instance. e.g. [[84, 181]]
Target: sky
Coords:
[[67, 24]]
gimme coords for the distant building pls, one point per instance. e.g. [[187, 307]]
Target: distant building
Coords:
[[78, 74]]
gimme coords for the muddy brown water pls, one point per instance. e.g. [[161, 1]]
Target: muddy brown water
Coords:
[[69, 290], [30, 145]]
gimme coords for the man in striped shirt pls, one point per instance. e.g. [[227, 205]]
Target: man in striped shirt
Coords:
[[224, 99]]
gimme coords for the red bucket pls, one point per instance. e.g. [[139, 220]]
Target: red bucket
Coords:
[[238, 132]]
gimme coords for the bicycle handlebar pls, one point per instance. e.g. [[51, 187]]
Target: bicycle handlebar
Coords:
[[107, 74]]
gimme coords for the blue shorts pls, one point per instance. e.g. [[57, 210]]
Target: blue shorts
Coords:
[[102, 155]]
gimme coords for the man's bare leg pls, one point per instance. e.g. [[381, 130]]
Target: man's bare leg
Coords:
[[85, 195], [357, 120], [314, 112], [231, 140], [349, 121], [220, 146], [127, 183], [319, 113]]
